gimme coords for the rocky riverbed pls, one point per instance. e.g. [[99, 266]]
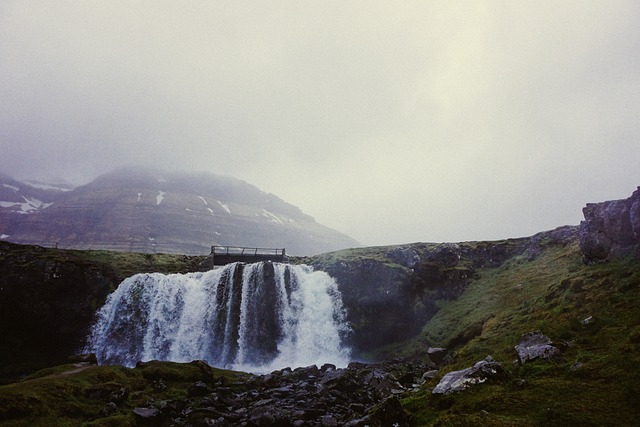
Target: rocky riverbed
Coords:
[[358, 395]]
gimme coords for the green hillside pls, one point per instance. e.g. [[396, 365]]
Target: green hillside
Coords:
[[597, 381]]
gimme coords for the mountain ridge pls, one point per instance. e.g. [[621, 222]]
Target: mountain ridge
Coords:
[[148, 210]]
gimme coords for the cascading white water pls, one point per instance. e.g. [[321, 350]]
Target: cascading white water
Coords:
[[251, 317]]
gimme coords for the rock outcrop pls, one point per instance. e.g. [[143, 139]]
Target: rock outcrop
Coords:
[[610, 228], [535, 345], [355, 396], [477, 374], [47, 301]]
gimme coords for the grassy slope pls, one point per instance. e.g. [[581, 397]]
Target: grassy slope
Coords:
[[552, 293], [66, 396], [127, 264]]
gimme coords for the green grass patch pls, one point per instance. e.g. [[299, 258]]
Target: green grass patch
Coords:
[[69, 395], [596, 381]]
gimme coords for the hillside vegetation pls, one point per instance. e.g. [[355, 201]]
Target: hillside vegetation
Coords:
[[579, 286]]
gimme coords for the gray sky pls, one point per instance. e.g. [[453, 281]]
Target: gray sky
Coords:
[[393, 122]]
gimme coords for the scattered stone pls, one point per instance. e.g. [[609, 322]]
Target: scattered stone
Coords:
[[576, 366], [109, 409], [534, 345], [460, 380], [436, 354], [198, 389], [88, 358], [328, 367], [159, 385], [328, 421], [146, 414], [429, 375], [119, 395], [587, 320]]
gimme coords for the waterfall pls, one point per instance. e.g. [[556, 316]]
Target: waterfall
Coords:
[[252, 317]]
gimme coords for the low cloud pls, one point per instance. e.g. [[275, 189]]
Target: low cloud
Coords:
[[419, 121]]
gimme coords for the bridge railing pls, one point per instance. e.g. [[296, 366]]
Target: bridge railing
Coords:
[[221, 255], [238, 250]]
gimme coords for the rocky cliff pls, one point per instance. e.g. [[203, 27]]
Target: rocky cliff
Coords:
[[610, 228], [390, 292], [48, 298]]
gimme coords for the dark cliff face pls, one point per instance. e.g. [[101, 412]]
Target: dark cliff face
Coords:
[[48, 298], [391, 292], [47, 301], [610, 228]]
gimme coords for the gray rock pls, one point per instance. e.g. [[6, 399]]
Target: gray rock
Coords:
[[534, 345], [328, 421], [634, 214], [146, 413], [460, 380], [109, 409], [436, 354], [610, 227]]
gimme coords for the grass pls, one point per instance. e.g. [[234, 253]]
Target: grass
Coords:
[[126, 264], [66, 396], [553, 293]]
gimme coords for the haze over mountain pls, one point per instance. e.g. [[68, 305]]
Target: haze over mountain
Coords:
[[137, 209]]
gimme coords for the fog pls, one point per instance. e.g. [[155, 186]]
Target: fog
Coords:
[[391, 122]]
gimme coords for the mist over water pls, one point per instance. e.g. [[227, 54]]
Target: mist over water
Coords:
[[251, 317]]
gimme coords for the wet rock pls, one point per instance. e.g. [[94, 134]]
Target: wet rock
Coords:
[[328, 367], [477, 374], [534, 345]]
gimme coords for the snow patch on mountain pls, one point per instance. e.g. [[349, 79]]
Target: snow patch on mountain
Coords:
[[3, 236], [43, 186], [160, 197], [202, 198], [273, 217], [11, 187], [29, 205], [225, 207], [139, 196]]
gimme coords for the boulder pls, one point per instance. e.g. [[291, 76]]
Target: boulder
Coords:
[[436, 354], [477, 374], [534, 345]]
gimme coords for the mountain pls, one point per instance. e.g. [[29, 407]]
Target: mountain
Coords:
[[136, 209]]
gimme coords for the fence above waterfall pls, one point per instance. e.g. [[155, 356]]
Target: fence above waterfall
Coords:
[[221, 255]]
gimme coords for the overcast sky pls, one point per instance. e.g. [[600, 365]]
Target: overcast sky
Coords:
[[393, 122]]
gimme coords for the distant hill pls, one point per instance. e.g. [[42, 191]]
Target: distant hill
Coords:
[[132, 209]]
